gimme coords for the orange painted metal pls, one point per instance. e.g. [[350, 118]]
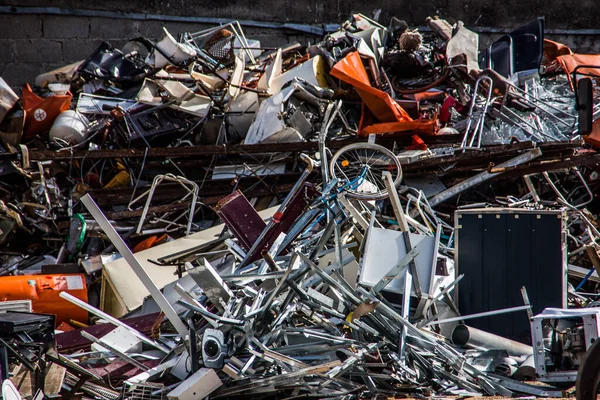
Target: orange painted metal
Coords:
[[381, 114], [351, 70], [44, 293], [570, 61], [594, 137], [149, 242], [554, 49]]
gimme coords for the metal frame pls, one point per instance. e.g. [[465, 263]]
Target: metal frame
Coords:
[[477, 113], [190, 38], [190, 186], [590, 318]]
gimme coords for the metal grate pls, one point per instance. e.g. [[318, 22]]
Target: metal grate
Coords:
[[222, 50], [91, 389], [145, 391]]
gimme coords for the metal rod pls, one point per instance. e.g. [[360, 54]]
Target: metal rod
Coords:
[[480, 315], [345, 202], [531, 188], [206, 313], [395, 200], [191, 187], [405, 314], [526, 301], [112, 320], [133, 262], [116, 352], [477, 131], [396, 271], [191, 300], [322, 138]]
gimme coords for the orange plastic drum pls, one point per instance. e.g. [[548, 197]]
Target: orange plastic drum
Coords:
[[44, 293]]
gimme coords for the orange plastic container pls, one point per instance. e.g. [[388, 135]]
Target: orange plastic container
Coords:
[[44, 293]]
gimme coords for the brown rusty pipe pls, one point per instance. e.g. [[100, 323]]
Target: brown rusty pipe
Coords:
[[492, 169]]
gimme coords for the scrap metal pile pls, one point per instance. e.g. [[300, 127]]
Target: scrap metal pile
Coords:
[[407, 182]]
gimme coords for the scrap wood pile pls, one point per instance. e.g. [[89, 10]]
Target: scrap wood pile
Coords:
[[377, 215]]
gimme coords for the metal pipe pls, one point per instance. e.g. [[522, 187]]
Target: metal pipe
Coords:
[[464, 335], [526, 371], [482, 177]]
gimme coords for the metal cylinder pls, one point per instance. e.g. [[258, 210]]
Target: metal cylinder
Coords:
[[526, 371], [464, 335]]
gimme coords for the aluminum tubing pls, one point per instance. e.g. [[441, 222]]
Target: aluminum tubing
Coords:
[[464, 335]]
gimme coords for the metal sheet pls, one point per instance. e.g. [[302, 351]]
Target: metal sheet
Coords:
[[385, 248], [429, 184], [501, 250], [241, 218], [207, 278], [128, 286]]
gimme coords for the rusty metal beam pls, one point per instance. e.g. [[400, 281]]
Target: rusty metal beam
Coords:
[[212, 150], [210, 188], [482, 157], [179, 152], [558, 163]]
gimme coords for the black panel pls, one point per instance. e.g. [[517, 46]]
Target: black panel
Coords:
[[585, 105], [499, 253], [524, 45]]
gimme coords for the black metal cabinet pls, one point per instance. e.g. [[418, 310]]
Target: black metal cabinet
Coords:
[[501, 250]]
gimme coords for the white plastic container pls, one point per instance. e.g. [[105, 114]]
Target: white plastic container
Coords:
[[178, 52], [59, 89], [70, 126]]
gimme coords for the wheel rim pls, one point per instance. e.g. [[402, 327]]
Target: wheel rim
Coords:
[[362, 164]]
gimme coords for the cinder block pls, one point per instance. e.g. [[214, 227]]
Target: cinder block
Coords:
[[16, 74], [20, 26], [261, 10], [181, 27], [7, 50], [149, 29], [79, 49], [111, 28], [275, 39], [303, 11], [37, 51], [59, 26]]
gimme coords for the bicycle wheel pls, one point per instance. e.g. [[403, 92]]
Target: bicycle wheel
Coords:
[[360, 168]]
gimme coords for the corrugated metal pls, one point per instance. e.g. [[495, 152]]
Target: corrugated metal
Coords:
[[501, 250]]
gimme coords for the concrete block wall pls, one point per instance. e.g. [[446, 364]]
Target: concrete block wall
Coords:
[[31, 44], [38, 44]]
